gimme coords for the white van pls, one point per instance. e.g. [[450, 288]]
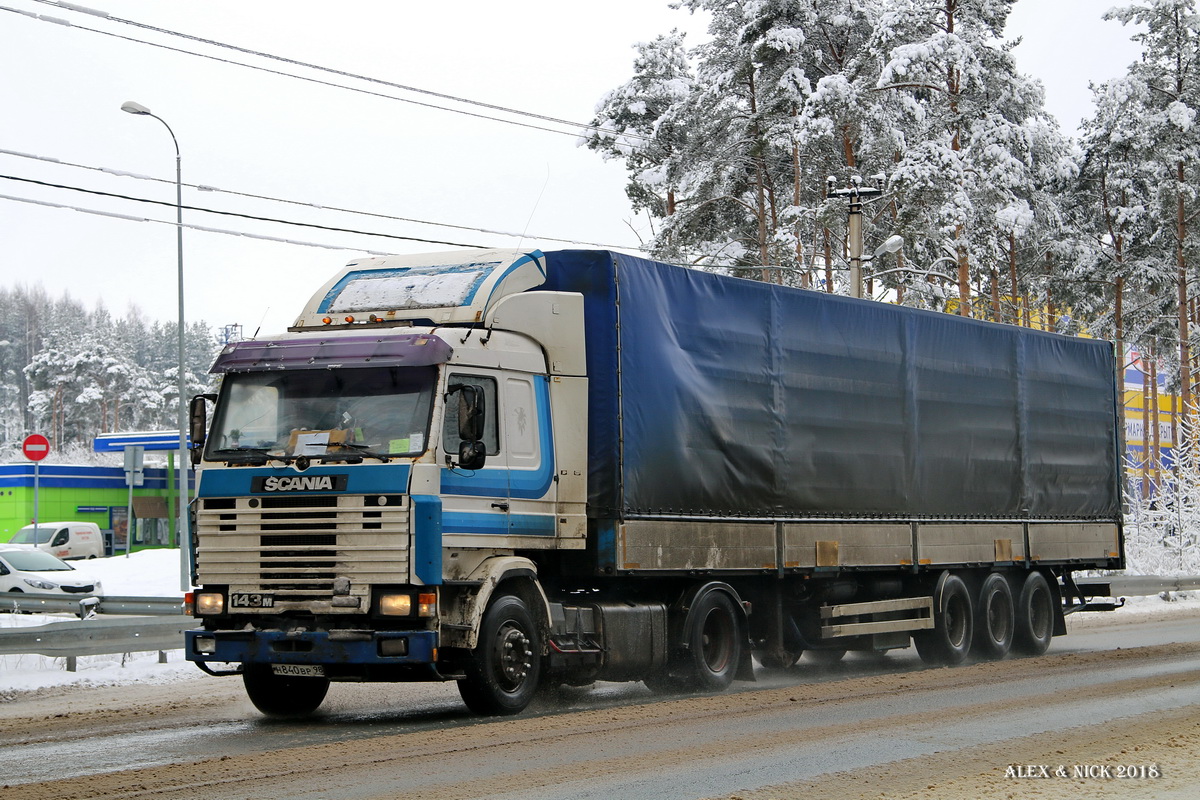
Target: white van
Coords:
[[64, 539]]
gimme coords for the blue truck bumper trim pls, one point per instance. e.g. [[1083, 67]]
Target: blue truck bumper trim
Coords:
[[279, 647]]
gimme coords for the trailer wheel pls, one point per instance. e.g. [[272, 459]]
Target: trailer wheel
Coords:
[[949, 641], [1034, 616], [283, 696], [994, 618], [505, 668]]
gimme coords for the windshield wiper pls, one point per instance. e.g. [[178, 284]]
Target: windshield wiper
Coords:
[[358, 451], [250, 456]]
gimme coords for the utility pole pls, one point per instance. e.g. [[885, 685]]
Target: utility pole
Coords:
[[856, 193]]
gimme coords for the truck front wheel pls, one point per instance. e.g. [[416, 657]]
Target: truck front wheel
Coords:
[[505, 667], [283, 695]]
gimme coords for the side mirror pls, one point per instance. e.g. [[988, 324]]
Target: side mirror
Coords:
[[471, 412], [198, 423], [471, 455], [472, 407]]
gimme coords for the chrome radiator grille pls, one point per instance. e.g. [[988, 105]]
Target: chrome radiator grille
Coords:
[[294, 547]]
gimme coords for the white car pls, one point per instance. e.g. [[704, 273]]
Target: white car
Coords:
[[27, 569]]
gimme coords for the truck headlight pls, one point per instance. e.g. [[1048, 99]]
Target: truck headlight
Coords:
[[395, 605], [209, 603]]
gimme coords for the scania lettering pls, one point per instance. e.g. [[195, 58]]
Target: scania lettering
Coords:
[[311, 483], [514, 468]]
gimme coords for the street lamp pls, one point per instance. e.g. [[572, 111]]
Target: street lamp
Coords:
[[185, 545]]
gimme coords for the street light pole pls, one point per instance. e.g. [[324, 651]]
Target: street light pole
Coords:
[[185, 544]]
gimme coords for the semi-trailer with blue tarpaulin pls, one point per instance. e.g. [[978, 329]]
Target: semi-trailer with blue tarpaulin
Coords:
[[514, 468]]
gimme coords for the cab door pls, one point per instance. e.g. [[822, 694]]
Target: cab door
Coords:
[[475, 502], [510, 498]]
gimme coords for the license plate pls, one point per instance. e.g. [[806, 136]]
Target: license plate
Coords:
[[251, 600], [299, 670]]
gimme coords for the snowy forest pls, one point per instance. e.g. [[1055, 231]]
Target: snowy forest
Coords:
[[732, 147], [71, 373]]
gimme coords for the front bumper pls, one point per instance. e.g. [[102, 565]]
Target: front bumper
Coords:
[[333, 649]]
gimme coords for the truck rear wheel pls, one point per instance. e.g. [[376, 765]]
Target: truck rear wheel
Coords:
[[283, 695], [993, 618], [949, 641], [1034, 616], [506, 666], [712, 648]]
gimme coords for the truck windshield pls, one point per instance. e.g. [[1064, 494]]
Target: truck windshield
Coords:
[[382, 411]]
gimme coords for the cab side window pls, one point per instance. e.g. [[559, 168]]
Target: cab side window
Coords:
[[60, 538], [491, 436]]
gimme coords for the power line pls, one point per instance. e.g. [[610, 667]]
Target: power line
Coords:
[[317, 206], [304, 64], [253, 217], [130, 218]]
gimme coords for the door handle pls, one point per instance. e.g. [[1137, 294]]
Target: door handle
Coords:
[[500, 506]]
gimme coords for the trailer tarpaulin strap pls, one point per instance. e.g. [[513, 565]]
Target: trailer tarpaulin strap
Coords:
[[750, 399]]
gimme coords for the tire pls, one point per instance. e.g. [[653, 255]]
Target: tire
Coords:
[[994, 619], [1034, 616], [949, 641], [713, 640], [506, 666], [283, 696]]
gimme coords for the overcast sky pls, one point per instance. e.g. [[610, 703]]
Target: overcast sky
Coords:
[[258, 133]]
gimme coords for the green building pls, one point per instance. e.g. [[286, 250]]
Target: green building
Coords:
[[96, 494]]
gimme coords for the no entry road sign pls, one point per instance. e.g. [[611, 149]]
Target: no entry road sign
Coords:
[[35, 447]]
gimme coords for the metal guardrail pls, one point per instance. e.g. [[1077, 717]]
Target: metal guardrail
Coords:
[[60, 604], [1136, 585], [159, 625], [93, 637]]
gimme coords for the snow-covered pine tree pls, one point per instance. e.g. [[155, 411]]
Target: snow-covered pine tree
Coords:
[[639, 123], [1169, 144], [981, 147]]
